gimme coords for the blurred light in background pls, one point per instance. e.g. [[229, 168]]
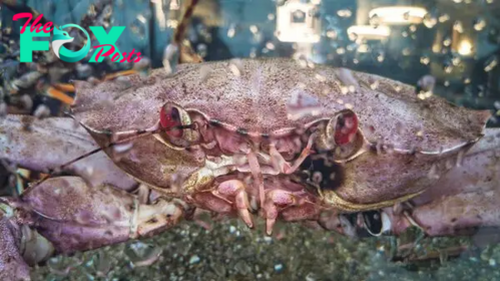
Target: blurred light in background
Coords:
[[465, 47], [368, 32], [398, 15], [298, 22]]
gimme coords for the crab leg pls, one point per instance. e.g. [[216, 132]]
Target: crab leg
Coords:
[[281, 165], [62, 140], [236, 188], [257, 175], [223, 198], [276, 198]]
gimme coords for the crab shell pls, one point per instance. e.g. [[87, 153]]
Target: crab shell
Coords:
[[408, 142]]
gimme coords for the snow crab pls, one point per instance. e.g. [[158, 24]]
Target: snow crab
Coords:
[[345, 149]]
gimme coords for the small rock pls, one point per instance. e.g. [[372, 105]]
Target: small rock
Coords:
[[278, 267], [42, 111], [194, 259], [232, 229]]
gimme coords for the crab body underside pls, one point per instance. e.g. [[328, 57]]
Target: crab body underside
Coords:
[[269, 138]]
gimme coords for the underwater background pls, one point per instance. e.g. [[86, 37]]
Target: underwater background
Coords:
[[456, 43]]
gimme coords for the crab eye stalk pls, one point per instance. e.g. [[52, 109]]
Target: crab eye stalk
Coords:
[[343, 128], [170, 121], [342, 135], [176, 126]]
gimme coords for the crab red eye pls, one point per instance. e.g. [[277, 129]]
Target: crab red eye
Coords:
[[346, 128], [170, 120]]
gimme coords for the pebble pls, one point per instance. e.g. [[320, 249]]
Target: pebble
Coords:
[[278, 267], [194, 259]]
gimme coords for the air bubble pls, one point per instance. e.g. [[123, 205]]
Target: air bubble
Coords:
[[353, 36], [254, 29], [236, 67], [170, 58], [458, 27], [205, 72], [253, 53], [231, 31], [201, 49], [380, 57], [332, 34], [143, 66], [490, 64], [444, 18], [448, 68], [433, 172], [138, 28], [479, 24], [496, 104], [425, 60], [426, 83], [430, 21], [345, 13], [374, 20], [447, 41]]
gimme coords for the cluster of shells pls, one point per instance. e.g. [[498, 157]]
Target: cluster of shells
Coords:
[[27, 87]]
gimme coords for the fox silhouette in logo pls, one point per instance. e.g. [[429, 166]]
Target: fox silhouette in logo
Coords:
[[62, 37]]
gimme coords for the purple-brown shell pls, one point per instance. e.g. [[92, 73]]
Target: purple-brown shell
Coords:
[[257, 98]]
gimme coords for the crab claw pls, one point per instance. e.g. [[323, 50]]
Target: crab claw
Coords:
[[63, 141], [464, 199], [75, 216]]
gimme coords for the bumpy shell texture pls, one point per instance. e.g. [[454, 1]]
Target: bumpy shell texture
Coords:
[[257, 98], [256, 95]]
